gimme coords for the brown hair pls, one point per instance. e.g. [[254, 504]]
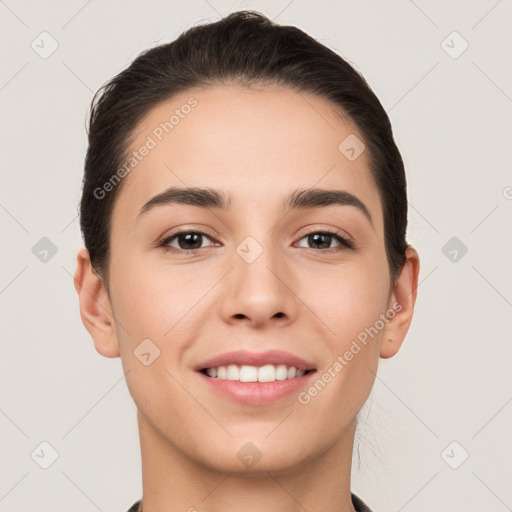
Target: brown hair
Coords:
[[244, 48]]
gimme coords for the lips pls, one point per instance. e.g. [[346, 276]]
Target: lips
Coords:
[[244, 357], [251, 393]]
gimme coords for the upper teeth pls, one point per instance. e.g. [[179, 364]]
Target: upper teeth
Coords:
[[245, 373]]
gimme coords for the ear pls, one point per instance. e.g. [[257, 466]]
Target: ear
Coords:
[[403, 298], [95, 306]]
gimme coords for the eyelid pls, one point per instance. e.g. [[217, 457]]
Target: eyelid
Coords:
[[344, 239], [311, 229], [184, 230], [166, 239]]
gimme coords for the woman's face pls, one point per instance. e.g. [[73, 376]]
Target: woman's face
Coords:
[[262, 277]]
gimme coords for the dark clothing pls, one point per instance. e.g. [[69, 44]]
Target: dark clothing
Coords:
[[359, 505]]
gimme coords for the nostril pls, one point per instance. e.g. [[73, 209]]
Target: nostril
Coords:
[[279, 315]]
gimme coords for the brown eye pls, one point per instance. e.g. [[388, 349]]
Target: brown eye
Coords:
[[323, 240], [185, 241]]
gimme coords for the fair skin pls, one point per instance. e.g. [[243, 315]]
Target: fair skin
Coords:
[[257, 145]]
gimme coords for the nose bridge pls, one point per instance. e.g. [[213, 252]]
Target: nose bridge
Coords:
[[254, 263], [256, 289]]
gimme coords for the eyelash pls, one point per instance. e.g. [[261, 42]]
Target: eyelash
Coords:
[[344, 241]]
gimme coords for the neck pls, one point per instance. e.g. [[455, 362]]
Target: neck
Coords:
[[173, 481]]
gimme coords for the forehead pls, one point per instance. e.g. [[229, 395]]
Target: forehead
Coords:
[[256, 143]]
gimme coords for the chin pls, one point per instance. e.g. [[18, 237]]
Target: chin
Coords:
[[254, 457]]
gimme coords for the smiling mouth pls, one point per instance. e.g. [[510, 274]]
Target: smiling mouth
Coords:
[[248, 373]]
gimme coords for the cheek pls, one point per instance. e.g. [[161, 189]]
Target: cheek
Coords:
[[164, 304], [153, 320], [346, 299], [149, 303], [352, 311], [349, 301]]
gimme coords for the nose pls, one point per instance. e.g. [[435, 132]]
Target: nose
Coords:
[[259, 293]]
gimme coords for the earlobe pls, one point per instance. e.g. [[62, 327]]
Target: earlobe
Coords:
[[95, 307], [403, 298]]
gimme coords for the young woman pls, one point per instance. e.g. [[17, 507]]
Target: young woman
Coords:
[[244, 214]]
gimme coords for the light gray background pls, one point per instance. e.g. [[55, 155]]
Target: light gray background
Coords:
[[452, 120]]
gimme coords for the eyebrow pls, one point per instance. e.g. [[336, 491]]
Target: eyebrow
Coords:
[[210, 198]]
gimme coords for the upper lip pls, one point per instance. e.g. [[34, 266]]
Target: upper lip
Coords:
[[243, 357]]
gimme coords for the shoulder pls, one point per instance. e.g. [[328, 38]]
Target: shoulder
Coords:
[[359, 504], [135, 507]]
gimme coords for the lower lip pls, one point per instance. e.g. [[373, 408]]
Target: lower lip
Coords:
[[257, 393]]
